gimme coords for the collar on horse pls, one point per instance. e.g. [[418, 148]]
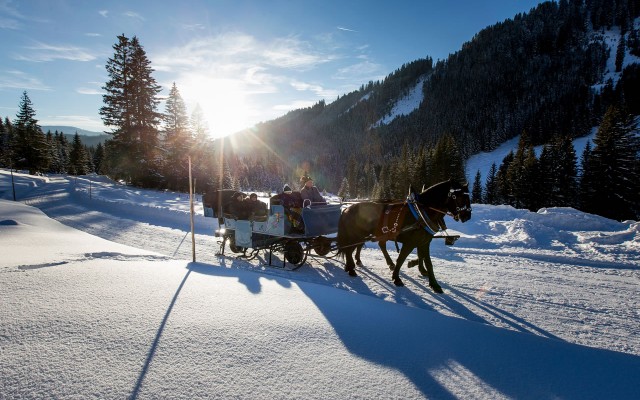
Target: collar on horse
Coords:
[[422, 218]]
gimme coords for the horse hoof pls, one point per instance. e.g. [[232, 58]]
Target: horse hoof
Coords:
[[359, 263], [398, 282], [436, 288], [352, 273], [412, 263]]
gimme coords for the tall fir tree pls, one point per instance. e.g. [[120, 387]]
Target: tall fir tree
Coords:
[[446, 162], [491, 186], [130, 110], [613, 186], [77, 157], [476, 192], [503, 184], [29, 142], [178, 141]]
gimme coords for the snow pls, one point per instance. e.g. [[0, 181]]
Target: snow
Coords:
[[611, 38], [482, 161], [406, 104], [99, 298]]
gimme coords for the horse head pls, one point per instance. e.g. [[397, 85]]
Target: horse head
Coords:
[[459, 202], [449, 197]]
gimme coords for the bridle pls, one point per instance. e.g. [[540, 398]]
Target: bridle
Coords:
[[452, 207], [454, 210]]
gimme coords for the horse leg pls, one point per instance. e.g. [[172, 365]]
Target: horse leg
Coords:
[[404, 252], [358, 249], [424, 256], [350, 266], [383, 248]]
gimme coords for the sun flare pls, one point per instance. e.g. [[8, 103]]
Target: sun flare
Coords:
[[223, 103]]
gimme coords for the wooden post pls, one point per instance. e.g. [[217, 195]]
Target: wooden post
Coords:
[[13, 185], [193, 236]]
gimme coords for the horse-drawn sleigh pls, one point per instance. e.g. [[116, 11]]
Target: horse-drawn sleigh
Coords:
[[275, 231], [339, 230]]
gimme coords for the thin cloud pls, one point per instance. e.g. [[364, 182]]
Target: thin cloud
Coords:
[[318, 90], [237, 52], [360, 72], [7, 23], [193, 27], [89, 91], [92, 34], [133, 14], [41, 52], [294, 105], [342, 28], [19, 80], [104, 13], [11, 18]]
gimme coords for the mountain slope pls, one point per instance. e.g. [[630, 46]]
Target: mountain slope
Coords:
[[545, 72]]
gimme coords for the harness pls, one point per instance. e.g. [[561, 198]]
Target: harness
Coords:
[[423, 220]]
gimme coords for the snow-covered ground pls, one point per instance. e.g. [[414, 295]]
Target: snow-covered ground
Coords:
[[99, 298]]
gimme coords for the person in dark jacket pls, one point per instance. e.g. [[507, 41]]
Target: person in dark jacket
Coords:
[[292, 203], [255, 207], [310, 194], [238, 207]]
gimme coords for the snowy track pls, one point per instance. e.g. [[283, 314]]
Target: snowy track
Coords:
[[583, 293]]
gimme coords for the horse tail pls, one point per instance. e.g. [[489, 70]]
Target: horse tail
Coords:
[[342, 240]]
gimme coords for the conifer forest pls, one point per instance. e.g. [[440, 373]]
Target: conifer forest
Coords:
[[541, 76]]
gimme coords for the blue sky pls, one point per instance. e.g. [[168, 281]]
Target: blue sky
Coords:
[[241, 61]]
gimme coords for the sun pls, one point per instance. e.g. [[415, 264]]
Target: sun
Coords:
[[223, 103]]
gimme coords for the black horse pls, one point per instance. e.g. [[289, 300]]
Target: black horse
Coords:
[[413, 223]]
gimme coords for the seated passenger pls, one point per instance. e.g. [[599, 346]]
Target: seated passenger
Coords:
[[237, 206], [292, 203], [255, 207], [310, 194]]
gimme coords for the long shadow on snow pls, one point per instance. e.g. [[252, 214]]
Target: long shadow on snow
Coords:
[[425, 346]]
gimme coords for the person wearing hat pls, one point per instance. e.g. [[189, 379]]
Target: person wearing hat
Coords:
[[292, 203], [310, 192], [255, 206], [237, 207]]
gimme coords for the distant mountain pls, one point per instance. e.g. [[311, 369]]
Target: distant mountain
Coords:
[[88, 138], [70, 130]]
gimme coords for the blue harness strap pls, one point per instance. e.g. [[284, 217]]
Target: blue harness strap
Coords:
[[417, 214]]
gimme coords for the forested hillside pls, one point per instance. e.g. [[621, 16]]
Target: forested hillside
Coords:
[[535, 72], [547, 76]]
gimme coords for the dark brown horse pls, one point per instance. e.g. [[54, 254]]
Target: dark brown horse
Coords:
[[412, 222]]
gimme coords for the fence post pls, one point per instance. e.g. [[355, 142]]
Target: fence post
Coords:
[[193, 236]]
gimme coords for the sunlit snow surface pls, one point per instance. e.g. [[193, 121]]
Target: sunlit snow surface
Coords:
[[108, 304]]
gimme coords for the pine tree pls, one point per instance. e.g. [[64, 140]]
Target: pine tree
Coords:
[[29, 143], [528, 194], [503, 184], [344, 192], [353, 173], [4, 145], [476, 192], [77, 157], [620, 53], [130, 108], [446, 162], [98, 157], [490, 194], [177, 141], [614, 165]]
